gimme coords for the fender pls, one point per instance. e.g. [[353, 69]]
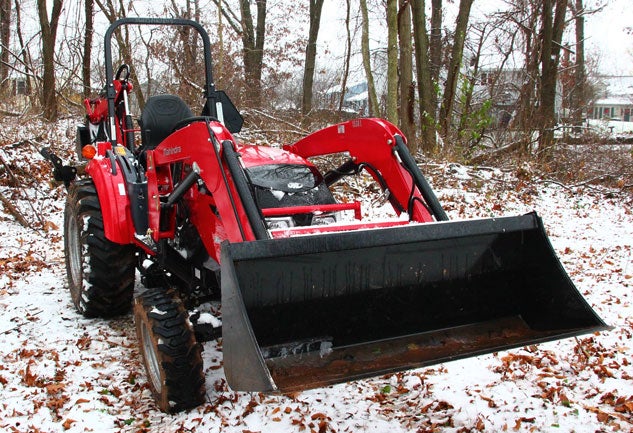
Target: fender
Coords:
[[114, 201]]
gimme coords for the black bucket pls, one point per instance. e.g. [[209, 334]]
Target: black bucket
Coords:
[[309, 311]]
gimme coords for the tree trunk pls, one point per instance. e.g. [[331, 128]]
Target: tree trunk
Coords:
[[405, 62], [24, 51], [85, 69], [219, 63], [392, 61], [425, 83], [311, 49], [374, 110], [578, 98], [5, 40], [435, 48], [348, 55], [253, 41], [553, 25], [49, 36], [471, 80], [525, 106], [452, 77]]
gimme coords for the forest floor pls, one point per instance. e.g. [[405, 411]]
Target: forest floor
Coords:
[[64, 373]]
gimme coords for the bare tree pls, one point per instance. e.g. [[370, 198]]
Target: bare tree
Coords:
[[578, 92], [405, 63], [452, 76], [435, 47], [425, 82], [392, 61], [25, 52], [5, 41], [311, 49], [87, 53], [112, 13], [552, 26], [49, 36], [524, 18], [348, 55], [183, 52], [253, 37], [471, 78], [374, 110]]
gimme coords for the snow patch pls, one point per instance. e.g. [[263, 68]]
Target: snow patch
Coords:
[[158, 311]]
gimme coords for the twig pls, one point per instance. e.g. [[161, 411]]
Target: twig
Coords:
[[19, 324], [582, 349], [555, 182], [297, 128], [20, 187], [14, 211]]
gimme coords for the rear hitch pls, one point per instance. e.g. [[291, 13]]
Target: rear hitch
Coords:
[[61, 172]]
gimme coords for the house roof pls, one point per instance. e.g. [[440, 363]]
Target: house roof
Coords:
[[616, 86], [615, 101]]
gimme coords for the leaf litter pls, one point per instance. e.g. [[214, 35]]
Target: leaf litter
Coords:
[[64, 373]]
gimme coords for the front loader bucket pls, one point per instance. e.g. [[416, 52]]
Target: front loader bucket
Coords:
[[308, 311]]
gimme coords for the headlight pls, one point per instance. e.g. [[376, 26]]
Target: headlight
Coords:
[[280, 223], [324, 219]]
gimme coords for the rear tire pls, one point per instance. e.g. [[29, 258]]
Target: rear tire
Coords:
[[171, 355], [100, 273]]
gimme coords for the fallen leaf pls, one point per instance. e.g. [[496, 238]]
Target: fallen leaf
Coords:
[[68, 423]]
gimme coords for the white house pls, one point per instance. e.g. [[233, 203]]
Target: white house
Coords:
[[614, 99]]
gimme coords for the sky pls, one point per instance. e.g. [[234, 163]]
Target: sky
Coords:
[[606, 38]]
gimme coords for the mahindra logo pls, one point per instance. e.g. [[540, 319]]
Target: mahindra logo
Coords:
[[171, 150]]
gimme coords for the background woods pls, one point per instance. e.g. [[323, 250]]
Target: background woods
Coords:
[[466, 82]]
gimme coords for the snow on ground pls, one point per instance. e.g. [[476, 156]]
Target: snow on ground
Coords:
[[61, 372], [615, 128]]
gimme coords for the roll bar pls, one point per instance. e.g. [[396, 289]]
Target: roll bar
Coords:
[[209, 89]]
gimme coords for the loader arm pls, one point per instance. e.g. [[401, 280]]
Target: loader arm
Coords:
[[207, 143], [371, 142]]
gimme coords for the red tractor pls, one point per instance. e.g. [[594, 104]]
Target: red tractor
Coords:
[[307, 298]]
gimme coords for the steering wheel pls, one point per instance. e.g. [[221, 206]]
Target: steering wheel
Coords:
[[124, 70]]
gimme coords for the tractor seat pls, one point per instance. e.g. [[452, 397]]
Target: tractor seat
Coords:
[[159, 117]]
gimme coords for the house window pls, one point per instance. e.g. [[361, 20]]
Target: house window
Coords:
[[21, 87]]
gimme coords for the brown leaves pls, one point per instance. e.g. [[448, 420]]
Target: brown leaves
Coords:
[[67, 424], [84, 342], [250, 408], [491, 402], [514, 364], [28, 378], [518, 422], [55, 397], [623, 405], [16, 266]]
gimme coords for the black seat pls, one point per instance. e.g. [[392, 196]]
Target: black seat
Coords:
[[159, 117]]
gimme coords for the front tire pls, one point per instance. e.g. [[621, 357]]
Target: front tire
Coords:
[[171, 355], [100, 273]]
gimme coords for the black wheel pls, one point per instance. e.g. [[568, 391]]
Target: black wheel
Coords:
[[100, 273], [170, 352]]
